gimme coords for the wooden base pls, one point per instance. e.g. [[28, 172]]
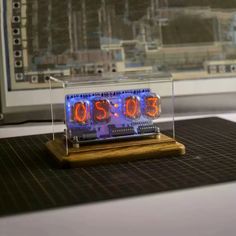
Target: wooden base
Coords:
[[119, 151]]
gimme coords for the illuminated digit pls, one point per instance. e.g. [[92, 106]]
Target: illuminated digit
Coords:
[[101, 110], [132, 107], [152, 107], [102, 114], [80, 112]]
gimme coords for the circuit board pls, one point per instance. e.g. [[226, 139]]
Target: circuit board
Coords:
[[112, 115]]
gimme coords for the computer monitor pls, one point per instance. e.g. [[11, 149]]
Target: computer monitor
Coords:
[[73, 38]]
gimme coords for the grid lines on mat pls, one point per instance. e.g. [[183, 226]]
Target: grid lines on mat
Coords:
[[29, 180]]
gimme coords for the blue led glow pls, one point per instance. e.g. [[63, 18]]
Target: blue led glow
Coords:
[[117, 118]]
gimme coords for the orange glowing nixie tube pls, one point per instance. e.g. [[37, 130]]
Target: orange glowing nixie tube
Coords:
[[81, 112], [152, 106], [101, 110], [132, 108]]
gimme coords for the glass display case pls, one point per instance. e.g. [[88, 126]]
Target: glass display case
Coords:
[[113, 112]]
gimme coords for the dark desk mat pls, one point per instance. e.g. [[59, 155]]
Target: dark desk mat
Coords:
[[29, 181]]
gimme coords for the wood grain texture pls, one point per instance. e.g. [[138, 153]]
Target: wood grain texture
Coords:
[[114, 152]]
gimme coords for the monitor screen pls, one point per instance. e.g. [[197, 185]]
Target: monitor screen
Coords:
[[190, 38], [74, 37]]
